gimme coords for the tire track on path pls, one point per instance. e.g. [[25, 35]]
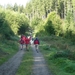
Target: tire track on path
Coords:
[[10, 67], [39, 67]]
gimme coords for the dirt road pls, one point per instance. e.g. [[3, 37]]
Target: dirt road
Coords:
[[39, 67], [10, 67]]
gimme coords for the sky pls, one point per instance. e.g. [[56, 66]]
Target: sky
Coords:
[[19, 2]]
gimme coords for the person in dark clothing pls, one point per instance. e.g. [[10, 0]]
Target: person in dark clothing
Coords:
[[36, 43], [22, 41]]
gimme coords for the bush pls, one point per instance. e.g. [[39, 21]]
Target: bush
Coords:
[[70, 68], [53, 24], [62, 54]]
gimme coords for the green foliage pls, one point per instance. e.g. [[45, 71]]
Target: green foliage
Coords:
[[69, 23], [5, 29], [2, 19], [15, 8], [59, 54], [36, 21], [69, 17], [7, 50], [58, 61], [64, 54], [37, 25], [13, 20], [17, 21], [36, 10], [70, 68], [65, 10], [23, 29], [23, 24], [53, 24], [49, 27]]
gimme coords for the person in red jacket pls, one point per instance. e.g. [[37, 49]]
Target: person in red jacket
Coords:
[[22, 41], [27, 42], [36, 43]]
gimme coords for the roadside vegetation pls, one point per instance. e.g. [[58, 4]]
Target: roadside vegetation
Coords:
[[54, 22], [59, 54], [12, 24], [7, 49]]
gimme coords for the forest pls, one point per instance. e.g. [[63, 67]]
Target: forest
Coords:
[[52, 21], [55, 17]]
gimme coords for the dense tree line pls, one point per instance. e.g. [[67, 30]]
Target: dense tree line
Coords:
[[45, 17], [12, 23], [62, 25], [43, 7]]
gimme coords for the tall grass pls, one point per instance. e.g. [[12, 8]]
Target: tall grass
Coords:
[[60, 55], [7, 50]]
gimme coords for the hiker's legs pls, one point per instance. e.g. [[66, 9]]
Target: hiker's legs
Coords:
[[21, 46], [27, 47], [36, 47]]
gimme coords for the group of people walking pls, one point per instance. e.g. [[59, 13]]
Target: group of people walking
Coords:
[[28, 40]]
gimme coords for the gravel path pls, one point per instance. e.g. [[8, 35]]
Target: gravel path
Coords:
[[39, 67], [10, 67]]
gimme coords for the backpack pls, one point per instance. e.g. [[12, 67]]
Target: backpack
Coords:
[[21, 41], [36, 41]]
